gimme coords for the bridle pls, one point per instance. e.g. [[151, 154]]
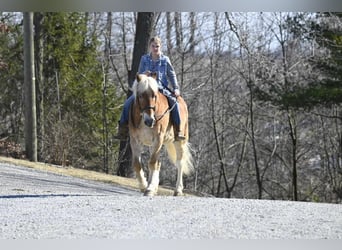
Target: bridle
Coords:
[[159, 117], [147, 108], [142, 110]]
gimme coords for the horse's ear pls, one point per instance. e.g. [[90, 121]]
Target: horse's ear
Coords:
[[154, 75], [138, 77]]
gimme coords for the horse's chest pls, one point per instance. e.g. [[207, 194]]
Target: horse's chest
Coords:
[[146, 136]]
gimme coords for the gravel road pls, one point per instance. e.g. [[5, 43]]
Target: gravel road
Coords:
[[41, 205]]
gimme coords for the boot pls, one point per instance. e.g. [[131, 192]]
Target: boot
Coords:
[[122, 134], [178, 133]]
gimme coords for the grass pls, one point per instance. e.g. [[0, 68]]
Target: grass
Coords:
[[83, 174]]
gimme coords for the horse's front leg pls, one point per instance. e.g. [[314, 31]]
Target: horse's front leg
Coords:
[[139, 173], [136, 163], [154, 169]]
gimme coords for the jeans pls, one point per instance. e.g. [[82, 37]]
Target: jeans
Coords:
[[171, 99]]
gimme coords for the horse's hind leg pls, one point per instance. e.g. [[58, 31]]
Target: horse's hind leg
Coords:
[[180, 165]]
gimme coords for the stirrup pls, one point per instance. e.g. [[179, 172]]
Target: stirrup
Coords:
[[179, 137]]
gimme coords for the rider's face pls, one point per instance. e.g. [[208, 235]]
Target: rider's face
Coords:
[[155, 48]]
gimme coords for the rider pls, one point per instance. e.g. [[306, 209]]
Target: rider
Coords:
[[156, 62]]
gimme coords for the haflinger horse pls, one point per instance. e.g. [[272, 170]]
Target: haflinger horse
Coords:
[[150, 125]]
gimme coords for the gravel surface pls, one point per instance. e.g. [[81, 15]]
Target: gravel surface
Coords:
[[41, 205]]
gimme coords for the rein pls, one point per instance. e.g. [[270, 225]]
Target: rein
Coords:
[[165, 112], [158, 118]]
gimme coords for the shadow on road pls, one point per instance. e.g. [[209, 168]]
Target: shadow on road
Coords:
[[16, 196]]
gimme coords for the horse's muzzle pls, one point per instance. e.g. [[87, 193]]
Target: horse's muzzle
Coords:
[[148, 120]]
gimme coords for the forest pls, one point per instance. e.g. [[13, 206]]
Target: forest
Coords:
[[264, 93]]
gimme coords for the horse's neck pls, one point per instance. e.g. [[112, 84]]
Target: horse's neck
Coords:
[[135, 115], [163, 103]]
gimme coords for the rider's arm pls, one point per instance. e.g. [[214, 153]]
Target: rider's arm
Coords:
[[172, 77], [143, 65]]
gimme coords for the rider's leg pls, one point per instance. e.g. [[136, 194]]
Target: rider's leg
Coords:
[[175, 115], [123, 122]]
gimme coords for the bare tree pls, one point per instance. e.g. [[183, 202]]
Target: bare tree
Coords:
[[248, 75], [144, 25]]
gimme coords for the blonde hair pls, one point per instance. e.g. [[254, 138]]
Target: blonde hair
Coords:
[[155, 39]]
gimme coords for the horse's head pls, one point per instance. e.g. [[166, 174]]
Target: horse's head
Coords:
[[145, 91]]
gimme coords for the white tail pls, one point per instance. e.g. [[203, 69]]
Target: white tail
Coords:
[[186, 159]]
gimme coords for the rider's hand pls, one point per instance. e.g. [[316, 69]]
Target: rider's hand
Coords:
[[177, 92]]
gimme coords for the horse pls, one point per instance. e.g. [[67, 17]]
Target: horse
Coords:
[[150, 125]]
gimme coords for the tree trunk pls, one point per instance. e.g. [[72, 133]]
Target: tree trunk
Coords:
[[293, 135], [107, 53], [253, 139], [168, 32], [192, 40], [143, 32], [39, 53], [178, 30], [30, 90]]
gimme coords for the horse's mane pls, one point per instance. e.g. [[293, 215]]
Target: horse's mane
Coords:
[[143, 83]]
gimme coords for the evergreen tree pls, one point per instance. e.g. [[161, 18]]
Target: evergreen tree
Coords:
[[73, 91], [11, 78], [325, 88]]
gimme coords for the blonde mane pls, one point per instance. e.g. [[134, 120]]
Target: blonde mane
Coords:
[[143, 83]]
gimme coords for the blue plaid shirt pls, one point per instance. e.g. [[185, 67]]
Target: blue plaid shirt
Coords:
[[162, 67]]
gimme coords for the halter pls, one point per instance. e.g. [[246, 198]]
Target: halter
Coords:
[[142, 110], [159, 117], [165, 112], [147, 108]]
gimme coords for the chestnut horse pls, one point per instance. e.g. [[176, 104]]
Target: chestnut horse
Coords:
[[150, 124]]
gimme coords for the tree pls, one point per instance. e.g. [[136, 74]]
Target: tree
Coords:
[[11, 78], [72, 93], [144, 25], [326, 91], [39, 65], [263, 95], [30, 90], [273, 80], [325, 30], [248, 75]]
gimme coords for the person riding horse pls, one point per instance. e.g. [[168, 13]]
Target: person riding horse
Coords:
[[158, 64], [150, 124]]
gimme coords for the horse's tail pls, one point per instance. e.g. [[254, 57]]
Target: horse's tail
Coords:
[[187, 158], [186, 161]]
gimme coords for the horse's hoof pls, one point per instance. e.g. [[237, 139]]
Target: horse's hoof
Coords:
[[178, 193], [149, 193]]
